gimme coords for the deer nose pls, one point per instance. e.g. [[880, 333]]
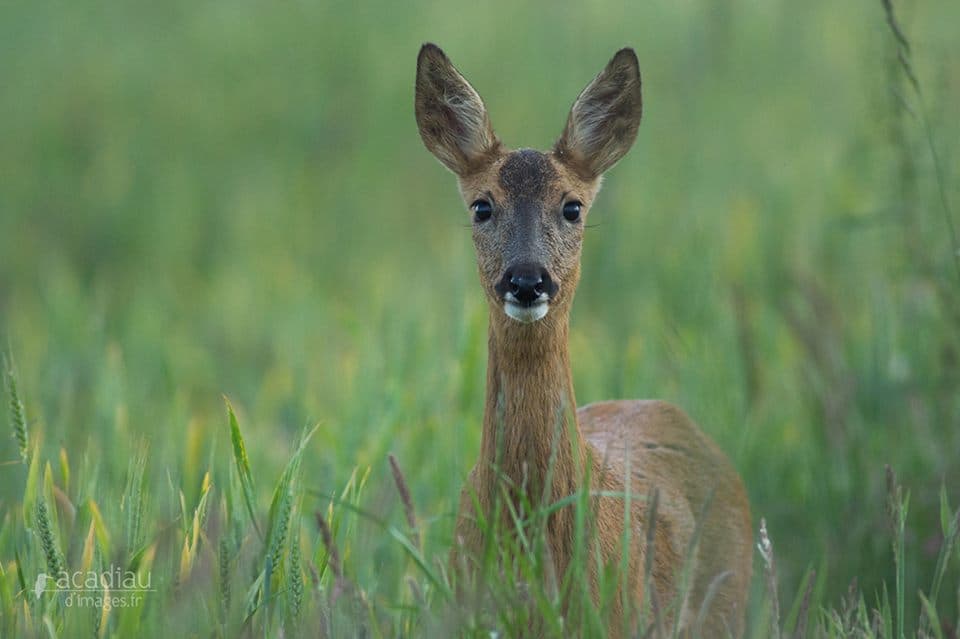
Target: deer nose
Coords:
[[527, 282], [526, 287]]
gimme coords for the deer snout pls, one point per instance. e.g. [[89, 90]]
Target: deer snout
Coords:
[[526, 284]]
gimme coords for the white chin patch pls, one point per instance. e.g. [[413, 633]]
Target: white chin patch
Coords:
[[526, 314]]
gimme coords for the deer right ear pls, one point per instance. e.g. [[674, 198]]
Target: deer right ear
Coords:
[[452, 119]]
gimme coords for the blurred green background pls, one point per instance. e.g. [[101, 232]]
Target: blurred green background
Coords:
[[200, 199]]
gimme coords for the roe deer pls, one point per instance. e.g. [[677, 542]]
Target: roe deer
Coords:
[[528, 210]]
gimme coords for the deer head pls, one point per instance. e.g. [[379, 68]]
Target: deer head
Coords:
[[528, 207]]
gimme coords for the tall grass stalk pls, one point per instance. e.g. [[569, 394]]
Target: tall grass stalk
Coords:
[[18, 418], [904, 57], [404, 491], [48, 540], [897, 507], [765, 546]]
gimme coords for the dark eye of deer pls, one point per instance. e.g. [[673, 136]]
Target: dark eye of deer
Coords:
[[482, 210], [571, 211]]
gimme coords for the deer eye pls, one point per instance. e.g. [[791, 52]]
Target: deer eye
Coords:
[[571, 211], [482, 210]]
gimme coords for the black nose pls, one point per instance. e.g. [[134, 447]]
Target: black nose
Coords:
[[526, 282]]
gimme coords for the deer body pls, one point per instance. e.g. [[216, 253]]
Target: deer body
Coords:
[[528, 210]]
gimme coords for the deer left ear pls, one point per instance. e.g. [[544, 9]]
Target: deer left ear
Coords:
[[452, 119], [603, 122]]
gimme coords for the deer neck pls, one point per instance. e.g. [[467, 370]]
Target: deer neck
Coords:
[[530, 431]]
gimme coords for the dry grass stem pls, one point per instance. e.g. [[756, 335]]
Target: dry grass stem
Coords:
[[404, 491], [770, 571], [333, 557]]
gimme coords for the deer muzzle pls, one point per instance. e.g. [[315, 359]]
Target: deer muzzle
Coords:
[[526, 290]]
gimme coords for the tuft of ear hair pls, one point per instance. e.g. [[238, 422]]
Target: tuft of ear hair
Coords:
[[451, 116], [603, 121]]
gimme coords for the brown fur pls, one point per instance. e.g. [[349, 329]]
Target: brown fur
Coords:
[[529, 387]]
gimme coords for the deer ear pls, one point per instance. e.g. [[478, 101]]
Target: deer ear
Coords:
[[603, 122], [452, 119]]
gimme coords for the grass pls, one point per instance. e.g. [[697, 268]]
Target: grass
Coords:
[[231, 199]]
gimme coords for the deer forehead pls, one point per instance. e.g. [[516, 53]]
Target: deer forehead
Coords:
[[527, 175], [524, 176]]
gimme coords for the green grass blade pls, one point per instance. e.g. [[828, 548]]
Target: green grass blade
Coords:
[[243, 466], [421, 563], [281, 504], [930, 612]]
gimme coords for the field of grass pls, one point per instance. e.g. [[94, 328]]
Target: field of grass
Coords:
[[230, 199]]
